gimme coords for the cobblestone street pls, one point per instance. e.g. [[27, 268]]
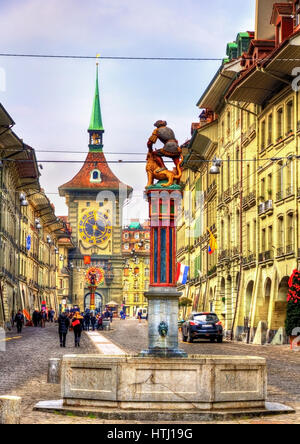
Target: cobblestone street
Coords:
[[23, 368]]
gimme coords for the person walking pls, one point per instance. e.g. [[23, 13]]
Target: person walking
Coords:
[[35, 318], [140, 313], [77, 322], [43, 315], [93, 321], [51, 315], [100, 322], [87, 321], [19, 320], [63, 328]]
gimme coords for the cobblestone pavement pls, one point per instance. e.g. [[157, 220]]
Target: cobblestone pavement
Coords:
[[23, 369]]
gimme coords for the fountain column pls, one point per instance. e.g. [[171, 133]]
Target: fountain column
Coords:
[[164, 205]]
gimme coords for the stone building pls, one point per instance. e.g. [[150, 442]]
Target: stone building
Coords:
[[250, 121], [95, 199], [136, 255], [28, 229]]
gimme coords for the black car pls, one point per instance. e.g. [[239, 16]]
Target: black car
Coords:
[[202, 326]]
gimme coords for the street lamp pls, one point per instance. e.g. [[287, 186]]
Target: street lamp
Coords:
[[38, 225], [23, 200], [215, 169]]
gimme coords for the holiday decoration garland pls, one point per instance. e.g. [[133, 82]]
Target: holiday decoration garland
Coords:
[[294, 287]]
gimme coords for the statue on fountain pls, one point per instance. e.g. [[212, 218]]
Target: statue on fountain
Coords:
[[156, 168]]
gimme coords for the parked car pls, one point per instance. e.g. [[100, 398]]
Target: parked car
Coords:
[[202, 326]]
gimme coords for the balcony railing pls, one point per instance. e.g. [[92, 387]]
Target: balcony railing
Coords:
[[261, 208], [279, 195], [289, 191], [266, 256], [268, 205], [227, 194], [224, 254], [280, 251], [236, 188], [290, 249]]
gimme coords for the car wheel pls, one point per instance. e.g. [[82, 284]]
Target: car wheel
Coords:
[[190, 339], [220, 340]]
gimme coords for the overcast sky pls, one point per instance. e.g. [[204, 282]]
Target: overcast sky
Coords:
[[51, 99]]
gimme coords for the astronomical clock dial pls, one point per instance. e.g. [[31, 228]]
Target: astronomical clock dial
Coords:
[[95, 228]]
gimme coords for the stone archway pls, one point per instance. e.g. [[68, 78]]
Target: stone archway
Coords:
[[248, 300], [98, 302], [280, 307]]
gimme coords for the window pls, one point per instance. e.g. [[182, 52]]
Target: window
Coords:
[[95, 176], [289, 117], [280, 232], [263, 240], [279, 124], [228, 172], [88, 204], [297, 12], [280, 181], [270, 129], [270, 183], [263, 136], [290, 233], [238, 165], [270, 238]]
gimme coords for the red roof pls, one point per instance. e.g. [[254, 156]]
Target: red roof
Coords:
[[94, 161]]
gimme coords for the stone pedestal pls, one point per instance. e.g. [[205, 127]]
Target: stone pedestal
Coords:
[[163, 323], [10, 409]]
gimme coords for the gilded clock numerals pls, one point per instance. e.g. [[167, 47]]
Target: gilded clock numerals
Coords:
[[95, 227]]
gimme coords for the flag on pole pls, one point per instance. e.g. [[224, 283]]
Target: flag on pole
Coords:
[[182, 273], [212, 243]]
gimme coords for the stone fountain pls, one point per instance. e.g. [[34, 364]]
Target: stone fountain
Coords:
[[163, 382]]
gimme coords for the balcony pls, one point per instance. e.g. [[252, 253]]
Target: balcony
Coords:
[[280, 252], [227, 194], [290, 249], [279, 195], [289, 191], [268, 205], [266, 256], [250, 259], [224, 254], [261, 208], [235, 251], [236, 188]]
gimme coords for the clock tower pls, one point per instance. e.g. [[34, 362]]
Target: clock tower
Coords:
[[95, 199]]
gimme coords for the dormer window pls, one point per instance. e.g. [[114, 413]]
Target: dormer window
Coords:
[[96, 176]]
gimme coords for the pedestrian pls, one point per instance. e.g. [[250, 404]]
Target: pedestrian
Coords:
[[63, 328], [43, 315], [93, 321], [51, 315], [35, 318], [139, 315], [77, 322], [100, 322], [87, 320], [19, 320]]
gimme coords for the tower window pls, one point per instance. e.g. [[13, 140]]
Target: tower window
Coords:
[[95, 176]]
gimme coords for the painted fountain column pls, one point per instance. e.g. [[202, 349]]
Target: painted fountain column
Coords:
[[164, 203]]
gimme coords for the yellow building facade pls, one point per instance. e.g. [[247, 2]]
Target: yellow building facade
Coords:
[[136, 277], [252, 206]]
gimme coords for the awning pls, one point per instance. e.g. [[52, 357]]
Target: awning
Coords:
[[261, 83], [255, 88], [214, 94], [112, 304]]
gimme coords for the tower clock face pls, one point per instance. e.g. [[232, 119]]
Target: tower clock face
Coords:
[[95, 227]]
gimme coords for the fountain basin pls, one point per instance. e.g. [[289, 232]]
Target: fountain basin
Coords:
[[203, 383]]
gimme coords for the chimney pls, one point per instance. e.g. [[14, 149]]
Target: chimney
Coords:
[[263, 29]]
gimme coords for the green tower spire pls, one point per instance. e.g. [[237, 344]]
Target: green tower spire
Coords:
[[96, 129]]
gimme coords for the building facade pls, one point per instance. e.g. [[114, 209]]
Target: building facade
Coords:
[[250, 120], [29, 230], [136, 256], [95, 199]]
